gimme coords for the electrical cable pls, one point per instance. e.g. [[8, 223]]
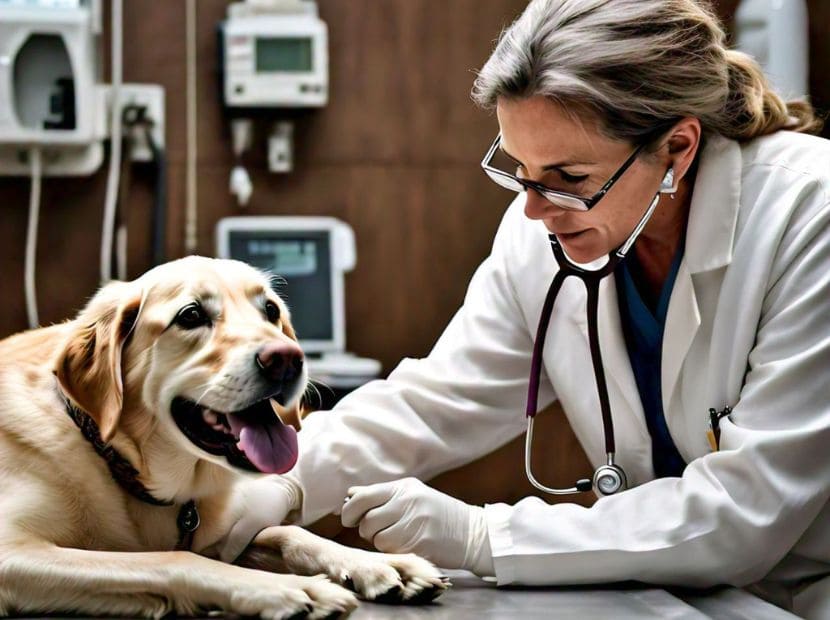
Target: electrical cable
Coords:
[[190, 238], [121, 206], [115, 142], [159, 199], [31, 236]]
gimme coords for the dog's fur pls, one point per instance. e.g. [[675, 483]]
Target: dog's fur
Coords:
[[73, 540]]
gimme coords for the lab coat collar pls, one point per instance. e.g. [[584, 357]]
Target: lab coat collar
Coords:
[[710, 235], [713, 214]]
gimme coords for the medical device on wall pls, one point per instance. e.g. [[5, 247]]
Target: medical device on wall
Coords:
[[776, 34], [273, 54], [311, 256], [49, 95], [55, 111]]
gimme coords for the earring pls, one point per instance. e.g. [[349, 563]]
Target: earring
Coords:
[[668, 185]]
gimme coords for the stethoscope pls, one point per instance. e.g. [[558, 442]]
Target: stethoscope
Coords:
[[610, 478]]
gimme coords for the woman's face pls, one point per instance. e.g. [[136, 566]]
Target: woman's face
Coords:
[[561, 151]]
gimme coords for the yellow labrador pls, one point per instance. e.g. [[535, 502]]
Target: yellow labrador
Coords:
[[135, 438]]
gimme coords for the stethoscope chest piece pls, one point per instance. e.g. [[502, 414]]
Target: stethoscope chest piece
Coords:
[[609, 480]]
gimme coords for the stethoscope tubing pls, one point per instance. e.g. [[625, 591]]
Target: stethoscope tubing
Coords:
[[591, 279]]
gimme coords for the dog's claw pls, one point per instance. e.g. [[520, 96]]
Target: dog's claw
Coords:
[[392, 595], [300, 615]]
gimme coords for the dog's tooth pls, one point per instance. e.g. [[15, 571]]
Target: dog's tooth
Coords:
[[210, 417]]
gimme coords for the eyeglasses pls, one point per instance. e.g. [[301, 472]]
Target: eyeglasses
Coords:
[[563, 200]]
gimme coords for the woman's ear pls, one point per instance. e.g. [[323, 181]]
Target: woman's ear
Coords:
[[89, 367], [683, 144]]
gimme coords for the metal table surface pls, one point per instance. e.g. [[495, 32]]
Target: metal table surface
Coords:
[[473, 598]]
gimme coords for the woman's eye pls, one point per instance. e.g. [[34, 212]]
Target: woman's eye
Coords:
[[272, 311], [572, 178], [191, 317]]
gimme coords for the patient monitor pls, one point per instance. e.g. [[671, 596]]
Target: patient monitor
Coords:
[[310, 255]]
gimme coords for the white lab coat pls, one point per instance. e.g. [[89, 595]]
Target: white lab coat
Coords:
[[748, 326]]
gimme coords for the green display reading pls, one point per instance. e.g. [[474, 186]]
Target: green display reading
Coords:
[[291, 55]]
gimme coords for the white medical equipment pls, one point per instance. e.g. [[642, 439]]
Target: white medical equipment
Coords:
[[273, 54], [50, 106], [310, 255], [55, 112], [49, 95], [776, 34]]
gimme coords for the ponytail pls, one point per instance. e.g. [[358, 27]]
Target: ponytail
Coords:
[[753, 109]]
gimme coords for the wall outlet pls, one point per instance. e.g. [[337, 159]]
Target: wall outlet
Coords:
[[145, 103]]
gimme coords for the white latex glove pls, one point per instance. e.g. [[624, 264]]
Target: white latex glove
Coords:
[[260, 502], [406, 516]]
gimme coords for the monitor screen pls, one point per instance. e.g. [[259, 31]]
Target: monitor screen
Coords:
[[283, 54], [303, 260]]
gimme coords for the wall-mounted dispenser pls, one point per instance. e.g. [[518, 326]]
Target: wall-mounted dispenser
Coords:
[[55, 114], [50, 94]]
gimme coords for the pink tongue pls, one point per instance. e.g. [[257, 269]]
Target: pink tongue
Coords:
[[272, 448]]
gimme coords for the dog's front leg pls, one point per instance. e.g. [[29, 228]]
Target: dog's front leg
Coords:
[[380, 577], [42, 578]]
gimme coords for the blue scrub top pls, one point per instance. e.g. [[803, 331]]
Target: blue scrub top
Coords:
[[643, 320]]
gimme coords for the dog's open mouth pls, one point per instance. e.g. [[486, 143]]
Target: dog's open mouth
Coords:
[[253, 438]]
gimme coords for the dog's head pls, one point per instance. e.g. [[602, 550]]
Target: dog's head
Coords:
[[199, 351]]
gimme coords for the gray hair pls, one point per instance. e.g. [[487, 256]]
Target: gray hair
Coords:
[[639, 66]]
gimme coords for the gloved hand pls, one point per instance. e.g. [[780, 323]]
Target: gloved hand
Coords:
[[260, 502], [408, 516]]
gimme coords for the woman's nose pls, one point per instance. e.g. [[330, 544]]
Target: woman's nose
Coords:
[[537, 207]]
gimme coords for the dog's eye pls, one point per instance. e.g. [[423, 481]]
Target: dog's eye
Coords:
[[272, 311], [191, 317]]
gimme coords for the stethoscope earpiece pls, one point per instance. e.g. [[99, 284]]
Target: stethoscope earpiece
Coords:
[[668, 184]]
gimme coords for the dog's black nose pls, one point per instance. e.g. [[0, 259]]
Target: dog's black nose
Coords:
[[279, 361]]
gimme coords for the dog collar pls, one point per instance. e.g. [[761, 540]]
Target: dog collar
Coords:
[[126, 475]]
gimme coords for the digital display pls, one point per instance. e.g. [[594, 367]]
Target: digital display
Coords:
[[303, 263], [284, 54], [286, 257]]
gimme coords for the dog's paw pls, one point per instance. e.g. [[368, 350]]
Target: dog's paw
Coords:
[[328, 599], [292, 597], [392, 578]]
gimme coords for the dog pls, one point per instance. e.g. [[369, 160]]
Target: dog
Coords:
[[136, 437]]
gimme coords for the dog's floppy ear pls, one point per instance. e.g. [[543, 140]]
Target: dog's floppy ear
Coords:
[[89, 367]]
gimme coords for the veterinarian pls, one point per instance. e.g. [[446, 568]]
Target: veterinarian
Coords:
[[713, 328]]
